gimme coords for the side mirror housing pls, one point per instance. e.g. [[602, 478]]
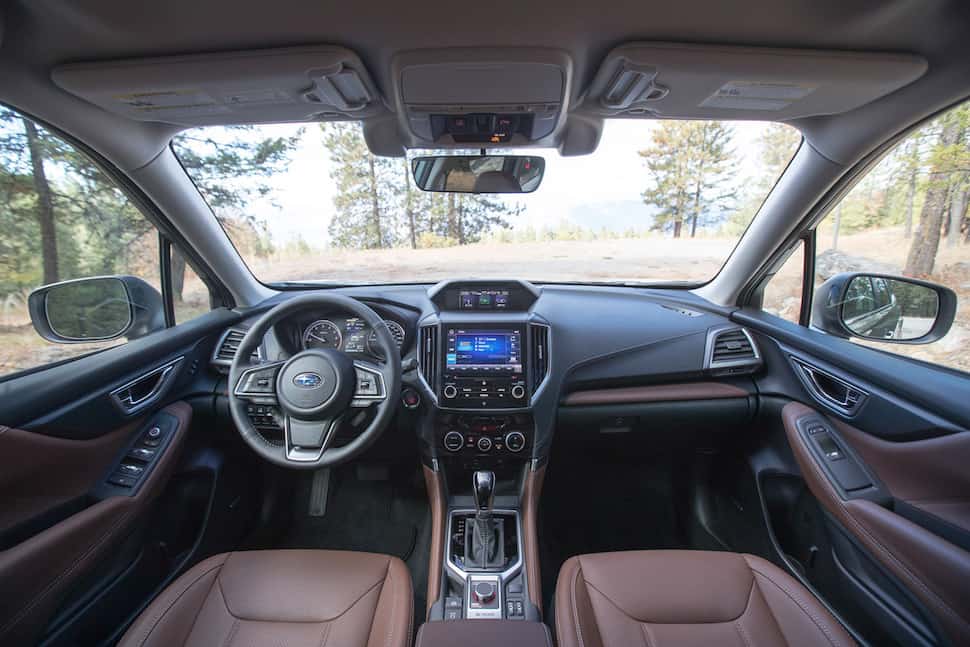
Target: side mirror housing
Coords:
[[99, 308], [880, 307]]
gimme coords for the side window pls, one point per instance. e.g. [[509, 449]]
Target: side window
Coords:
[[907, 217], [190, 295], [783, 292], [61, 220]]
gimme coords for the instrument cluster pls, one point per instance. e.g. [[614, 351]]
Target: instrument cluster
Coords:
[[349, 334]]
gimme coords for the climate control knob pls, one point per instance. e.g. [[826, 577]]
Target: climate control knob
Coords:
[[450, 391], [454, 441], [484, 444], [515, 441], [518, 391]]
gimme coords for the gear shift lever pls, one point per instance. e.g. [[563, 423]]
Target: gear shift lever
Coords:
[[483, 487], [483, 534]]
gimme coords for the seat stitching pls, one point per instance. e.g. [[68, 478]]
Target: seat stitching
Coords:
[[326, 635], [806, 611], [579, 625], [333, 619], [387, 580], [231, 634], [744, 634], [165, 611], [644, 627]]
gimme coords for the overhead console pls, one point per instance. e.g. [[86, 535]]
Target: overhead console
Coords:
[[477, 97]]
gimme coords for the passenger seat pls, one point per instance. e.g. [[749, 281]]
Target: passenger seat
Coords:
[[677, 597]]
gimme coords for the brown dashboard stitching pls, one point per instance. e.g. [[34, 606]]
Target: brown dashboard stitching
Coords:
[[656, 393]]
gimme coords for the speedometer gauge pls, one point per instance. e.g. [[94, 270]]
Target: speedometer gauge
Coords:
[[322, 334], [397, 333]]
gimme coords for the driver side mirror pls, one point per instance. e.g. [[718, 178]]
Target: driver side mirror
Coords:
[[96, 309], [884, 308]]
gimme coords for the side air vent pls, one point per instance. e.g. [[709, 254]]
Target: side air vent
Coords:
[[731, 351], [226, 350], [428, 356], [539, 354]]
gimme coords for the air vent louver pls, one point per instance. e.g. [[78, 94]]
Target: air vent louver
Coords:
[[732, 350], [428, 355], [226, 351], [540, 354]]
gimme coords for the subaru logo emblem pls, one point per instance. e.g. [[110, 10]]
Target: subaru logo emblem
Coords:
[[307, 380]]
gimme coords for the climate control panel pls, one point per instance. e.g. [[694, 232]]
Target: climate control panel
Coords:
[[485, 392], [498, 435]]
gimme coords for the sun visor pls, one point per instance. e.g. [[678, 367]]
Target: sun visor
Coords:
[[293, 84], [726, 82]]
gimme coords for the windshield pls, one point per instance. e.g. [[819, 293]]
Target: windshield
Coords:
[[659, 201]]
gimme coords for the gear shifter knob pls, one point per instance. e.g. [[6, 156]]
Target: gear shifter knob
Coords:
[[483, 487]]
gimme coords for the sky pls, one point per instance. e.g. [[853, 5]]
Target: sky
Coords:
[[589, 190]]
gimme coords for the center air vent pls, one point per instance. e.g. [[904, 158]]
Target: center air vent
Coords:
[[539, 354], [428, 355], [731, 350], [226, 350]]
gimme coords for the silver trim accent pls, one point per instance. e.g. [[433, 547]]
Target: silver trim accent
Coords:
[[254, 369], [222, 339], [129, 405], [462, 574], [713, 334], [299, 455], [810, 375], [362, 401], [484, 614], [545, 378]]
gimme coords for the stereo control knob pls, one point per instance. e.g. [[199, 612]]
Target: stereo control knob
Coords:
[[450, 391], [484, 444], [518, 391], [454, 441], [515, 441]]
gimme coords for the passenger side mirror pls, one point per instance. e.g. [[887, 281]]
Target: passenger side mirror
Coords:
[[884, 308], [96, 309]]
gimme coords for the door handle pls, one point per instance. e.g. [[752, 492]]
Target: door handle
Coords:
[[830, 390]]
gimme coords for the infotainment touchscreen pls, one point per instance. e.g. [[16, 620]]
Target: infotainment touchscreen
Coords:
[[488, 351]]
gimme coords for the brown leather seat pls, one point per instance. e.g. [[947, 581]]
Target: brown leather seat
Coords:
[[282, 597], [675, 597]]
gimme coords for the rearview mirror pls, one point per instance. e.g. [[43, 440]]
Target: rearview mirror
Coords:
[[884, 308], [478, 173], [96, 309]]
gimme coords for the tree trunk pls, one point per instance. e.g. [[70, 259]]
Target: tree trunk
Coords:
[[926, 241], [461, 221], [452, 217], [45, 204], [696, 209], [375, 204], [409, 206], [678, 225], [837, 226], [178, 274], [958, 205], [911, 192]]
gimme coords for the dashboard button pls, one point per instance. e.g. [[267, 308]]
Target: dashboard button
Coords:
[[454, 441], [518, 391], [484, 444], [515, 441], [450, 391]]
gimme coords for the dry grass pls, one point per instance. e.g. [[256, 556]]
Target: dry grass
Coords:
[[637, 259]]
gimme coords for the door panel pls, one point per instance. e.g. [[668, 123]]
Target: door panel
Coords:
[[890, 477], [37, 572]]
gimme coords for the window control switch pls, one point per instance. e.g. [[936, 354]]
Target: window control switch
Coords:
[[131, 469], [145, 454], [122, 480]]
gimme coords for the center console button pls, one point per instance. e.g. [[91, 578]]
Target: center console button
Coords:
[[515, 441], [454, 441], [518, 391], [450, 391], [484, 444]]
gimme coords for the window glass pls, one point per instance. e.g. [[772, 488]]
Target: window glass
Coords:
[[908, 216], [190, 295], [60, 218], [783, 293], [658, 201]]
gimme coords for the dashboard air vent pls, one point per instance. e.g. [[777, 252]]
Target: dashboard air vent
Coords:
[[226, 350], [540, 354], [731, 350], [428, 355]]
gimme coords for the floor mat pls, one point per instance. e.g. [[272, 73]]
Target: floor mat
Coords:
[[616, 505], [389, 516]]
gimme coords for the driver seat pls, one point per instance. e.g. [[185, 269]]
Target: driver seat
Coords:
[[282, 597]]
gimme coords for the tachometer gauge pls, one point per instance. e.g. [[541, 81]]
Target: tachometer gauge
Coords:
[[322, 334], [397, 332]]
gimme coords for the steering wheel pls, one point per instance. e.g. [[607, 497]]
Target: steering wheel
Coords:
[[315, 389]]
